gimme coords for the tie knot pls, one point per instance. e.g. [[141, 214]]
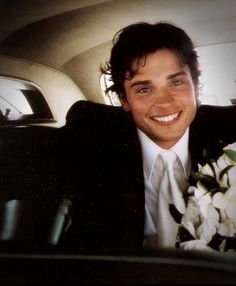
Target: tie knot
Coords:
[[167, 159]]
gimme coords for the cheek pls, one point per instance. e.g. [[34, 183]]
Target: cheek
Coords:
[[138, 112], [189, 99], [191, 111], [138, 107]]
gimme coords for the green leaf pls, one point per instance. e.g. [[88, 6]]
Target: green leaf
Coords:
[[208, 182], [224, 171], [231, 154], [223, 189], [184, 234], [216, 241], [212, 167], [175, 213], [200, 177], [214, 190]]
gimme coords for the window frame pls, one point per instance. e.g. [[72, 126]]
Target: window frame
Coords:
[[37, 101]]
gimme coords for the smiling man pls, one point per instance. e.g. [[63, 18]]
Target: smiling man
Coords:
[[161, 97], [126, 165]]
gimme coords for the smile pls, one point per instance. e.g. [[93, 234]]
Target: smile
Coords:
[[167, 118]]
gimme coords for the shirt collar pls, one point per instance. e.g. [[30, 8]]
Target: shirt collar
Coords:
[[150, 151]]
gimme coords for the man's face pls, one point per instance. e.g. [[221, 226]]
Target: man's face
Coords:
[[161, 97]]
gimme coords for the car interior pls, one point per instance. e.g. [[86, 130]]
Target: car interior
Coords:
[[51, 54]]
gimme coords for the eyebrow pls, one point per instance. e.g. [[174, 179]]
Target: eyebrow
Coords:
[[140, 82], [171, 76], [147, 82]]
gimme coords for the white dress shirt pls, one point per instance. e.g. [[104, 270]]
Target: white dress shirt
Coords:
[[150, 151]]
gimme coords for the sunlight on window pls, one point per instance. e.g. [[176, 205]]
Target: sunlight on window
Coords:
[[12, 99], [22, 101], [110, 97], [15, 101], [218, 79]]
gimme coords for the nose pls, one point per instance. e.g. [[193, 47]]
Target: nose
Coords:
[[163, 96]]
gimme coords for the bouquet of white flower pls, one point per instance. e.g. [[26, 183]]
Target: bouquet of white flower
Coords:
[[209, 221]]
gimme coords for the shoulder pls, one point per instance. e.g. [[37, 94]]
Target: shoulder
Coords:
[[87, 115], [89, 110], [215, 122], [208, 115], [212, 110], [95, 113]]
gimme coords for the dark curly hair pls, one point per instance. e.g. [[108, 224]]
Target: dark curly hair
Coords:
[[139, 40]]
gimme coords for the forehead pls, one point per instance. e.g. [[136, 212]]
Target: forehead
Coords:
[[157, 58], [160, 62]]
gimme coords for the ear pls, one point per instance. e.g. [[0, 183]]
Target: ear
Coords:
[[124, 104]]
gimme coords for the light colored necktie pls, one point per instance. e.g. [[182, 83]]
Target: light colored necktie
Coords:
[[172, 184]]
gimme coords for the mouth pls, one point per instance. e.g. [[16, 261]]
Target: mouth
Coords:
[[167, 118]]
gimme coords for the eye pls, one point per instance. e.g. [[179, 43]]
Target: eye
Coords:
[[177, 82], [144, 90]]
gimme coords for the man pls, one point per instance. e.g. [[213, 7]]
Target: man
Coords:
[[112, 151]]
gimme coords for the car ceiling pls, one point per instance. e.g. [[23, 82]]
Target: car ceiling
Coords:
[[75, 36]]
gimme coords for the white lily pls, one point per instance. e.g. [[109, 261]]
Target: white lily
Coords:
[[198, 244], [232, 176], [212, 211], [226, 201]]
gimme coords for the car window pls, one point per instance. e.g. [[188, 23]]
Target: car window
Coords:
[[110, 97], [218, 78], [22, 101]]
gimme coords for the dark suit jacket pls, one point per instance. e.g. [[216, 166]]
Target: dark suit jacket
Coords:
[[104, 177]]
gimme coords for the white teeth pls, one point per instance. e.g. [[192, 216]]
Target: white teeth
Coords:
[[166, 118]]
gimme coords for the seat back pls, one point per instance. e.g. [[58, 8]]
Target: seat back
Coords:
[[32, 223], [34, 209]]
